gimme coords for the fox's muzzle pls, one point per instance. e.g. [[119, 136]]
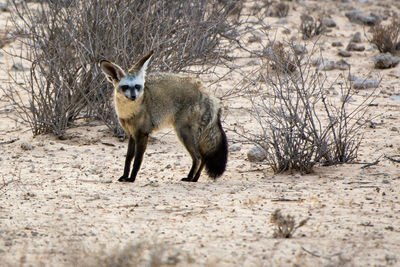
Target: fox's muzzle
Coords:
[[131, 94]]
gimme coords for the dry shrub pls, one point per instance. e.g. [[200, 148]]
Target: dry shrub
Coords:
[[273, 8], [281, 58], [285, 225], [310, 27], [65, 40], [281, 9], [387, 37], [344, 129], [233, 7], [298, 125]]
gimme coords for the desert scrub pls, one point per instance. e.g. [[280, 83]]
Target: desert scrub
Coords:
[[281, 58], [285, 225], [310, 27], [65, 40], [387, 37], [298, 124]]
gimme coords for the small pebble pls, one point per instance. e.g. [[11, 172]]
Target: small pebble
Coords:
[[256, 154], [356, 38], [4, 7], [337, 44], [18, 67], [342, 65], [355, 47], [386, 61], [344, 53], [234, 148], [328, 22], [365, 83], [27, 146], [358, 17]]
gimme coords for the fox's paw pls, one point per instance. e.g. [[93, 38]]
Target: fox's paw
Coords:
[[187, 179], [126, 179]]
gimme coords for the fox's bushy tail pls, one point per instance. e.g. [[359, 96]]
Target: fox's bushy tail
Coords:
[[216, 159]]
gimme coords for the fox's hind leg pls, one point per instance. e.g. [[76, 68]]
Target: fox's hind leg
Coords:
[[187, 137], [195, 166], [197, 176]]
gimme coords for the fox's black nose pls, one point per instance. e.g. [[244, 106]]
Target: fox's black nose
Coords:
[[132, 94]]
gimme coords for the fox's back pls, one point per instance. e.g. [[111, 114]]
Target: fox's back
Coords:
[[176, 96], [173, 87]]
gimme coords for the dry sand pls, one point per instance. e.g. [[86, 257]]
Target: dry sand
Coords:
[[60, 203]]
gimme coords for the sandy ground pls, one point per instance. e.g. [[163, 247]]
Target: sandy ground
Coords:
[[60, 204]]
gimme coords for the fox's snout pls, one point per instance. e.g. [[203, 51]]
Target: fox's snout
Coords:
[[130, 94]]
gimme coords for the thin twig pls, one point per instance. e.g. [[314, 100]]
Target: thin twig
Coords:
[[358, 182], [108, 144], [6, 183], [393, 159], [371, 164], [105, 181], [9, 142], [287, 200], [328, 257]]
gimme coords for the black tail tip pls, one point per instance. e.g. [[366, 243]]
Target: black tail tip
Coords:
[[216, 161]]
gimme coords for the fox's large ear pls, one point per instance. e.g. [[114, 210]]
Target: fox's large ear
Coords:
[[141, 65], [113, 72]]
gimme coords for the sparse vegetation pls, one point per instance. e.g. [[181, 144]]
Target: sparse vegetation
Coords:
[[310, 27], [281, 58], [298, 125], [65, 41], [281, 9], [299, 109], [387, 37], [285, 225], [278, 9]]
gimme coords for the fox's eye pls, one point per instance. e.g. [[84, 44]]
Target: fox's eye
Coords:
[[138, 86], [124, 87]]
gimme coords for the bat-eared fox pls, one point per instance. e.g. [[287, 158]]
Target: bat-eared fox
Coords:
[[145, 103]]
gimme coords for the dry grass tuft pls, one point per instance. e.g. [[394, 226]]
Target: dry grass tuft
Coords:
[[281, 9], [310, 27], [387, 37], [285, 225], [281, 59]]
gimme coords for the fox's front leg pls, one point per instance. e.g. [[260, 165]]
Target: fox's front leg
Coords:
[[140, 144], [128, 160]]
